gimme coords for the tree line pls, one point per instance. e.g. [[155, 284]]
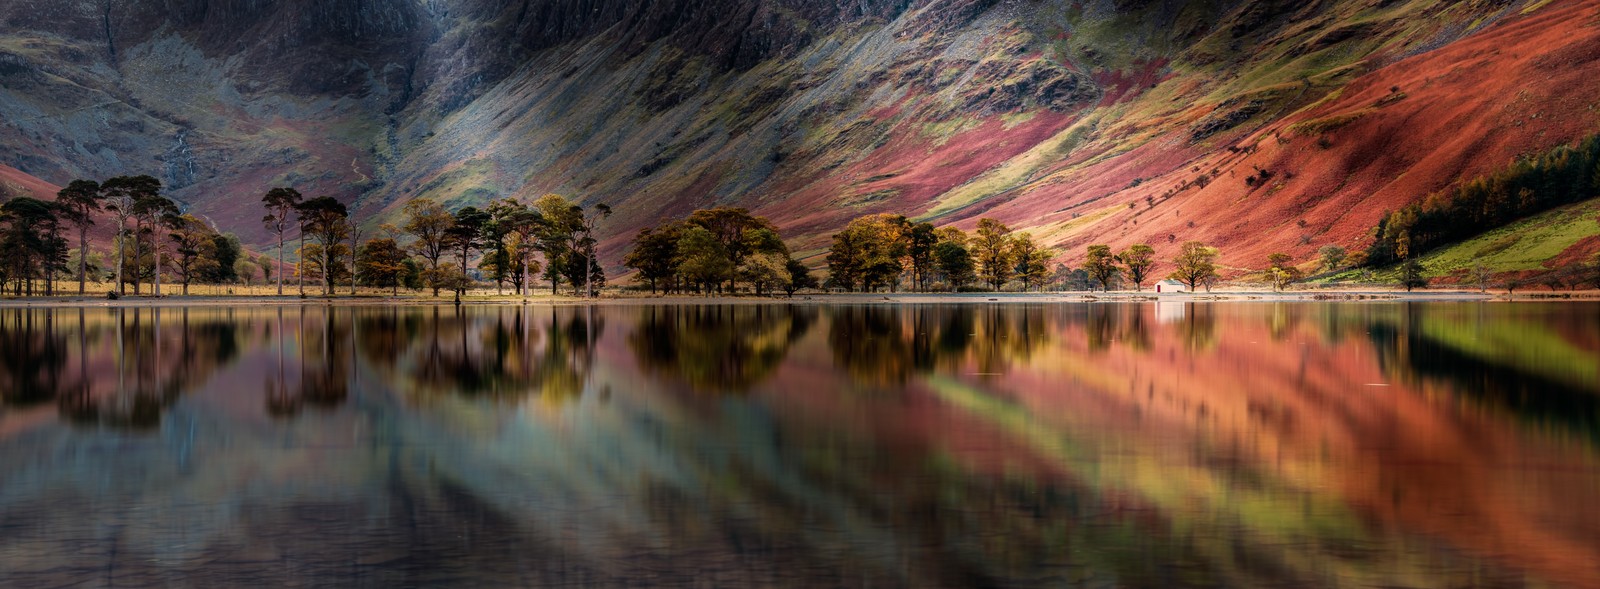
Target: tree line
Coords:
[[155, 240], [880, 251], [721, 250], [512, 241], [725, 250], [1562, 176], [714, 251], [152, 232]]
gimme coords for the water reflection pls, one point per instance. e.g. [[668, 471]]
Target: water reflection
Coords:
[[503, 353], [718, 348], [1000, 445]]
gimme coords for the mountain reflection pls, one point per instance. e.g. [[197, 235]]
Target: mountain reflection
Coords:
[[1166, 444]]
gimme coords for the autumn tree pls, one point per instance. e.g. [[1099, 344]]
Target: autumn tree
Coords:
[[765, 266], [800, 277], [1196, 264], [1331, 257], [654, 254], [326, 267], [1032, 262], [518, 227], [921, 239], [729, 226], [267, 269], [847, 259], [951, 258], [429, 224], [766, 271], [327, 220], [1411, 274], [153, 214], [281, 204], [1101, 265], [584, 244], [245, 270], [562, 225], [78, 202], [713, 250], [991, 247], [870, 252], [702, 260], [381, 262], [228, 250], [194, 249], [1137, 260], [1281, 270], [465, 236], [500, 261], [121, 195]]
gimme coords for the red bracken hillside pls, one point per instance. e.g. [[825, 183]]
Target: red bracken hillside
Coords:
[[1386, 139], [1254, 125]]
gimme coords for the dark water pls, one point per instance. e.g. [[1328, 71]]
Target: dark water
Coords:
[[1100, 445]]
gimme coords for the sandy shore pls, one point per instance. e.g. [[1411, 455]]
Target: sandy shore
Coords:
[[1240, 296]]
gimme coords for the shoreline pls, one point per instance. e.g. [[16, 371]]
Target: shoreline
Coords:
[[1353, 296]]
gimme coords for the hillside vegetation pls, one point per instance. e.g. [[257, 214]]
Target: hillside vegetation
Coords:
[[1257, 126]]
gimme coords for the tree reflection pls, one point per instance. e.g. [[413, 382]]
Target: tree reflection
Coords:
[[1106, 324], [722, 348], [1006, 335], [885, 346], [323, 363], [1198, 328], [145, 370], [499, 352], [33, 357], [1284, 319]]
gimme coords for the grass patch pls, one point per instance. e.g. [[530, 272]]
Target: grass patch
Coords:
[[1328, 123], [1524, 245], [942, 131], [1389, 99], [1535, 6], [1011, 120]]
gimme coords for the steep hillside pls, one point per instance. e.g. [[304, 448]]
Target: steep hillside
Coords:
[[1112, 121]]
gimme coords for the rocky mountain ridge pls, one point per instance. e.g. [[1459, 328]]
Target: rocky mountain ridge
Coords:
[[1258, 125]]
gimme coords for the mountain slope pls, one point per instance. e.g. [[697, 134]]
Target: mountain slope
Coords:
[[1112, 121]]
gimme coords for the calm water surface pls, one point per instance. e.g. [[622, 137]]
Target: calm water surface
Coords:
[[1099, 445]]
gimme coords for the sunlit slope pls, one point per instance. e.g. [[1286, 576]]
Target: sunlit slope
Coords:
[[1255, 125]]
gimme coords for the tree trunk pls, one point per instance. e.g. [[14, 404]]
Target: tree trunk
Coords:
[[300, 265], [138, 251], [327, 269], [280, 263], [121, 243], [83, 257], [155, 251], [434, 266], [355, 236]]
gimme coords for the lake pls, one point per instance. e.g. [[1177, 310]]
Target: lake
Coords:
[[1007, 445]]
